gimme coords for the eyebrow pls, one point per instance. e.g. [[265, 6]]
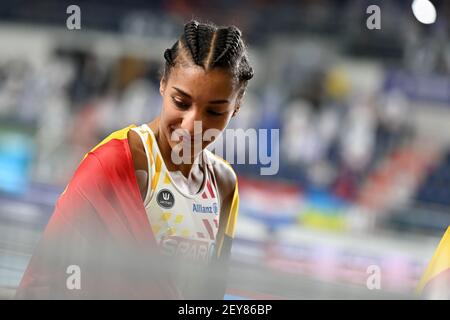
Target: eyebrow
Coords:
[[188, 96]]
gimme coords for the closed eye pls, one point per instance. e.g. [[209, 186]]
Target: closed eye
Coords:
[[215, 113], [180, 104]]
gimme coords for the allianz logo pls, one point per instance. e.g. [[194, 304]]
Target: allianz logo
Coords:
[[198, 208]]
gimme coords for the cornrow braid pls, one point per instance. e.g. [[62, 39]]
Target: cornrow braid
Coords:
[[227, 46], [245, 70], [219, 45], [210, 46], [190, 37], [205, 35]]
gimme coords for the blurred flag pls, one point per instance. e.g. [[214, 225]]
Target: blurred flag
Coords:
[[435, 282]]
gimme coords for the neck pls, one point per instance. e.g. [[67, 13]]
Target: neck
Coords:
[[166, 151]]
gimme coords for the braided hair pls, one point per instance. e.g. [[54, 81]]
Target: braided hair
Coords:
[[209, 46]]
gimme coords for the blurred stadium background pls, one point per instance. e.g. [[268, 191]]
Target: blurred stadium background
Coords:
[[364, 119]]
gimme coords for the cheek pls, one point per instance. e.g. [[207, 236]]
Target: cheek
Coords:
[[166, 107], [219, 123], [169, 113]]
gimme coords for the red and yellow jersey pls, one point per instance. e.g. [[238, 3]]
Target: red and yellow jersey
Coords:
[[100, 216], [183, 224]]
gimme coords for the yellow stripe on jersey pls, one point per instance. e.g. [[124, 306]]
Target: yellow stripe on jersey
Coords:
[[157, 172], [150, 147], [439, 263], [166, 179], [230, 225], [232, 218], [231, 221]]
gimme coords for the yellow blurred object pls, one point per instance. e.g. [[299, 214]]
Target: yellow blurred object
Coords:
[[318, 220], [439, 264], [337, 84]]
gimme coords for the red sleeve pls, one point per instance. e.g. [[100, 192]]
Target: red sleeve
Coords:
[[65, 234], [97, 222]]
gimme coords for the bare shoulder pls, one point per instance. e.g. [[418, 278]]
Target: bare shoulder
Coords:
[[139, 159], [137, 150]]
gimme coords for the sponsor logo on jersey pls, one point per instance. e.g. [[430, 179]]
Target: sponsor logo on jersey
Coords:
[[198, 208], [192, 250], [165, 199]]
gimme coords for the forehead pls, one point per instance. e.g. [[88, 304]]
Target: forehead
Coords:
[[210, 84]]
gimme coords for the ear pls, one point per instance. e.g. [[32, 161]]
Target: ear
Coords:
[[238, 102], [162, 86], [236, 110]]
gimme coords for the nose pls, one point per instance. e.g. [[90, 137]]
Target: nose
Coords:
[[191, 119]]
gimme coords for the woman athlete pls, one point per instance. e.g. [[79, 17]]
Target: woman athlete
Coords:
[[135, 221]]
